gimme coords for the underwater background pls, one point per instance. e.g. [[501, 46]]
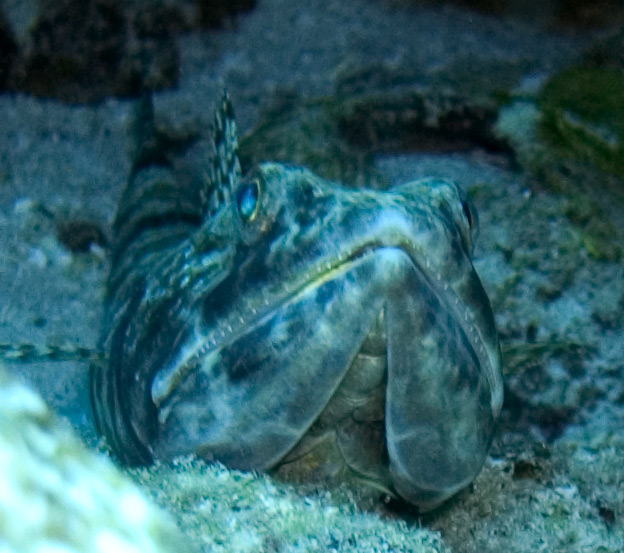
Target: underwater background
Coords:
[[521, 103]]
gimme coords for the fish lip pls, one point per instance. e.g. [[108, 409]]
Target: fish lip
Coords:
[[204, 344], [339, 266], [491, 361], [209, 341], [325, 271]]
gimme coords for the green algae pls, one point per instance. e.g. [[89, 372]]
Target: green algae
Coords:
[[582, 187], [594, 93], [567, 141], [583, 116], [582, 122], [522, 356], [597, 232]]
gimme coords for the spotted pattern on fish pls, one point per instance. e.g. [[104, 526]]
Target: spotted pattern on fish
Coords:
[[279, 321]]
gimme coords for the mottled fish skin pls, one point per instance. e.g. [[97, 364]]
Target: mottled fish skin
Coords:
[[251, 319]]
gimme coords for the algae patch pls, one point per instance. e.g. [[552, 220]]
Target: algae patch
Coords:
[[583, 116], [568, 141]]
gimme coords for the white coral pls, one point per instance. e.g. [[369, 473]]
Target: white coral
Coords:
[[55, 496]]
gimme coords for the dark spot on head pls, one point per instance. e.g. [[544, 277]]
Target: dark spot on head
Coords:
[[531, 331], [243, 367], [303, 194], [325, 293], [309, 208], [217, 302], [250, 263], [251, 354]]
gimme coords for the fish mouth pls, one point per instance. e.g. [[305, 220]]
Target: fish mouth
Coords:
[[330, 269], [299, 348], [204, 343], [286, 366], [397, 256], [394, 253], [311, 279]]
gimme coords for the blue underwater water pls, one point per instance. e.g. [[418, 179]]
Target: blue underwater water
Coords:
[[519, 103]]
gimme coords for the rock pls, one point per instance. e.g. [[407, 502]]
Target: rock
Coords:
[[418, 121], [57, 495], [582, 15], [81, 51], [8, 47], [213, 13], [607, 51]]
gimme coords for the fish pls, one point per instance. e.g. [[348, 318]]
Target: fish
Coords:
[[277, 321]]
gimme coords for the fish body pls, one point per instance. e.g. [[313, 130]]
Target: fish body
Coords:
[[280, 321]]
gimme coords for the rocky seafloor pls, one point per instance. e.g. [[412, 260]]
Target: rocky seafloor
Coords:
[[524, 112]]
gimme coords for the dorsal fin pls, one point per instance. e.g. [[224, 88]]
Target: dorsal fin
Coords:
[[226, 169]]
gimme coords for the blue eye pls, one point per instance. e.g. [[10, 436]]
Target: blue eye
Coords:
[[247, 198]]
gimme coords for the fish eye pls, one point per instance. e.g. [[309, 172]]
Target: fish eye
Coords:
[[247, 200]]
